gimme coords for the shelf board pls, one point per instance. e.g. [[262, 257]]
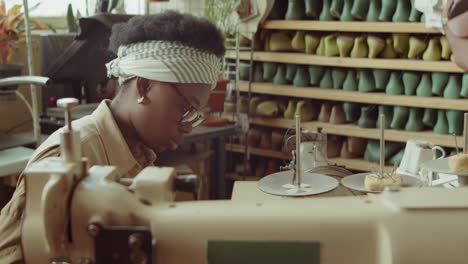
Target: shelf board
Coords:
[[308, 59], [351, 164], [355, 131], [338, 26], [356, 164], [258, 152], [355, 96]]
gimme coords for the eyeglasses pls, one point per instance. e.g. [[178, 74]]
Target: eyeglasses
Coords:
[[192, 115]]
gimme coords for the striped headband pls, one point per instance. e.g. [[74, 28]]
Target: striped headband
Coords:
[[166, 62]]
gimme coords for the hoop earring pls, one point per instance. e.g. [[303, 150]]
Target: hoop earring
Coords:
[[140, 100]]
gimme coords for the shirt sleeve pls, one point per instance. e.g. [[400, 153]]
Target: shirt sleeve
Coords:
[[10, 218]]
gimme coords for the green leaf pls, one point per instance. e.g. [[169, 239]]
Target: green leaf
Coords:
[[13, 17], [50, 27], [35, 24], [34, 7], [14, 10], [72, 26]]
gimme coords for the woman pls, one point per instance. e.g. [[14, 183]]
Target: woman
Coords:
[[166, 65]]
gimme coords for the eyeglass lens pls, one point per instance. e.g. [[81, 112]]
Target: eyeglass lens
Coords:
[[193, 117]]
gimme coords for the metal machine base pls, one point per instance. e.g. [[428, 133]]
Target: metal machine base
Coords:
[[274, 184]]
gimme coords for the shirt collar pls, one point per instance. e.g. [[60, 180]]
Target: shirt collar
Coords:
[[117, 150]]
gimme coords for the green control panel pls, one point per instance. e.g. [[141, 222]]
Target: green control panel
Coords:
[[268, 252]]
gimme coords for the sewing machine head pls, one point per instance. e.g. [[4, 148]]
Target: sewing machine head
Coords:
[[76, 215], [93, 218]]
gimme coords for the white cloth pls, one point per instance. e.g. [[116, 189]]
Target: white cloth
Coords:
[[432, 10], [249, 27], [166, 62]]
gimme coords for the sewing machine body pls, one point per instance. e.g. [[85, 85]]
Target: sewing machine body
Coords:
[[425, 225]]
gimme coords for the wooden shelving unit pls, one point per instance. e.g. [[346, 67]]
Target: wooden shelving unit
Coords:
[[355, 131], [335, 26], [354, 96], [351, 164], [390, 64], [349, 96]]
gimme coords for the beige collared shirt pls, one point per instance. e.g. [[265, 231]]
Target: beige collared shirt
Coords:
[[101, 142]]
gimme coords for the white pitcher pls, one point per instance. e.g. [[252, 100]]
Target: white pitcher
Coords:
[[416, 153]]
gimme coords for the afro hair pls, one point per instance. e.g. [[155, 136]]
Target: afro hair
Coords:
[[192, 31]]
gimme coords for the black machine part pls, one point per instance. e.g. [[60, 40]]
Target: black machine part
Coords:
[[122, 244], [76, 62]]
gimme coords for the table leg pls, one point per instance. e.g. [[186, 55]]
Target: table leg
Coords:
[[218, 177]]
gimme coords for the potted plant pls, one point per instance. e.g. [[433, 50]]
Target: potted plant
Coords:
[[222, 14], [12, 33]]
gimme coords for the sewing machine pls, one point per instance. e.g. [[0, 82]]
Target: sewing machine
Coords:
[[78, 215]]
